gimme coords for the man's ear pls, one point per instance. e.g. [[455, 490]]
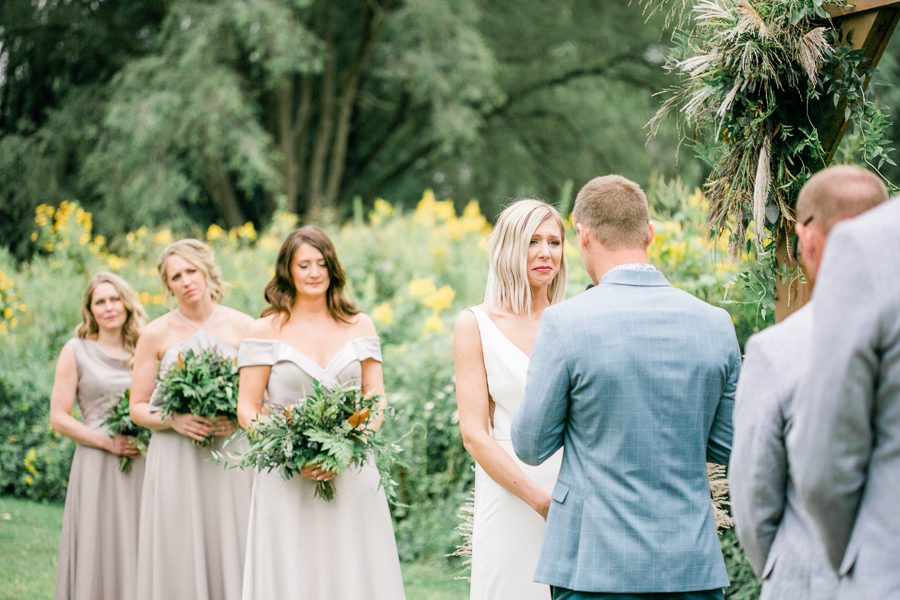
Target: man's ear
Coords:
[[582, 233], [650, 233]]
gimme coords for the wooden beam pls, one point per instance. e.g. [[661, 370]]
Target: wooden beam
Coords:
[[867, 26], [858, 7]]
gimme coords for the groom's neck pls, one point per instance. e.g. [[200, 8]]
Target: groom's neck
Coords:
[[604, 260]]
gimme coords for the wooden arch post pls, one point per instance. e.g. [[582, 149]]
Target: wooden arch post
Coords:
[[867, 25]]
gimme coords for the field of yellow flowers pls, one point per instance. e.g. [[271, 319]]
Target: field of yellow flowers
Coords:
[[411, 270]]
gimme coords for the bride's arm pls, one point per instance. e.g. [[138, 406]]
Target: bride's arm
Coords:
[[472, 400]]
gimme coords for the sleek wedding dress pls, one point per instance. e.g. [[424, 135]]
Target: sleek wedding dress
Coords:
[[507, 533]]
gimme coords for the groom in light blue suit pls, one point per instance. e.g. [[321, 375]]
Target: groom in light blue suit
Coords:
[[635, 380]]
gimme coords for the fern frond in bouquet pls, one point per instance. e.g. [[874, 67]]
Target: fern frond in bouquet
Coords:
[[201, 383], [330, 428], [118, 422]]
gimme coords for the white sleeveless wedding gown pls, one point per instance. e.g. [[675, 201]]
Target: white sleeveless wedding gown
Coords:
[[507, 533]]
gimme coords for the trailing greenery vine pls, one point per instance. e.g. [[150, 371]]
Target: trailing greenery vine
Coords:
[[755, 78]]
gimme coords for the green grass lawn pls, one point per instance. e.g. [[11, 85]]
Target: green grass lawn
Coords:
[[29, 533]]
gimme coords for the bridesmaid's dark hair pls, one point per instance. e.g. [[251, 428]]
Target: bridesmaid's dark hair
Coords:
[[280, 292]]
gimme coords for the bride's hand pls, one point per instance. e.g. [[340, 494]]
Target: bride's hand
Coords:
[[317, 473], [192, 426], [542, 507]]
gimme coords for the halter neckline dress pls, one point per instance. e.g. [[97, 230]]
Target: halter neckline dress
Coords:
[[194, 512]]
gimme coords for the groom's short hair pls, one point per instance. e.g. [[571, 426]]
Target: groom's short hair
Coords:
[[614, 208]]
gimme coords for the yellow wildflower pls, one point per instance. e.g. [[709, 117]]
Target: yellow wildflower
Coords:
[[7, 313], [383, 314], [145, 297], [433, 324], [382, 210], [214, 232], [163, 237], [419, 288], [28, 480], [440, 300], [247, 231], [30, 459], [115, 263]]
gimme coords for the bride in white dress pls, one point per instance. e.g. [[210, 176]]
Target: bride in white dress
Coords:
[[492, 343]]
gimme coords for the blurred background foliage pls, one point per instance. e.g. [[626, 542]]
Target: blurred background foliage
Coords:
[[180, 112]]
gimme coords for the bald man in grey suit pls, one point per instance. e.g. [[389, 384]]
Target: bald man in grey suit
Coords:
[[775, 530], [845, 446]]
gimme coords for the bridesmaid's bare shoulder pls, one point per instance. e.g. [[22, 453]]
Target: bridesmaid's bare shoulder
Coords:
[[264, 328], [362, 326]]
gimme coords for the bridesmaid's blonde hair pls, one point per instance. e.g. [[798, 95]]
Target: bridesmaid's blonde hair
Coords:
[[135, 315], [198, 254], [507, 282]]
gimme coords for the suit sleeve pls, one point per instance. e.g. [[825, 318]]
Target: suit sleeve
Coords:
[[757, 474], [831, 440], [718, 447], [539, 425]]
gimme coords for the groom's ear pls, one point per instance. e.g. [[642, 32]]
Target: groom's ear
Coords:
[[582, 233], [650, 233]]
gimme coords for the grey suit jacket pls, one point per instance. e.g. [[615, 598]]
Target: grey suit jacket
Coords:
[[772, 525], [635, 380], [845, 444]]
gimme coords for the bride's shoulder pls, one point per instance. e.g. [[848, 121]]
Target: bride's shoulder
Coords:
[[467, 323]]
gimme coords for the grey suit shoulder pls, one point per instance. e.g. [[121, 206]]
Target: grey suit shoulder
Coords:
[[845, 444]]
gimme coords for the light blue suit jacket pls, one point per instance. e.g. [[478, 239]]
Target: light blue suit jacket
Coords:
[[635, 380]]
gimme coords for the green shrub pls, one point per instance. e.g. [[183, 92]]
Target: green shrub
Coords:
[[34, 460]]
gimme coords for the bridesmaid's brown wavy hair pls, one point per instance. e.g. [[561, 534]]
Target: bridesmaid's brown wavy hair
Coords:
[[280, 291], [135, 317]]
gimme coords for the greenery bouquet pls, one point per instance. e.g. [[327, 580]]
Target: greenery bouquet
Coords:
[[330, 429], [201, 383], [118, 422]]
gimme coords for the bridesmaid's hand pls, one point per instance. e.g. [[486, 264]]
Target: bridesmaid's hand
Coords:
[[223, 426], [317, 473], [192, 426], [122, 445]]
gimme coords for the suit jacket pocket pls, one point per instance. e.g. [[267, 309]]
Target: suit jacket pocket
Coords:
[[560, 491]]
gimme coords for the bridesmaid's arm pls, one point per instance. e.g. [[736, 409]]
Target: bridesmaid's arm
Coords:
[[146, 366], [473, 402], [62, 401], [373, 384], [251, 388], [143, 380]]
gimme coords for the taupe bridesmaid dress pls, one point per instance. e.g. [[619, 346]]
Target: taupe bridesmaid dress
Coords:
[[98, 545], [300, 546], [193, 511]]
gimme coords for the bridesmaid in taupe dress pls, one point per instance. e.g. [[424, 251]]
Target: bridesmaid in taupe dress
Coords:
[[98, 546], [300, 546], [193, 524]]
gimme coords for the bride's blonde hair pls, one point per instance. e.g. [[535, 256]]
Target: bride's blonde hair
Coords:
[[507, 282]]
